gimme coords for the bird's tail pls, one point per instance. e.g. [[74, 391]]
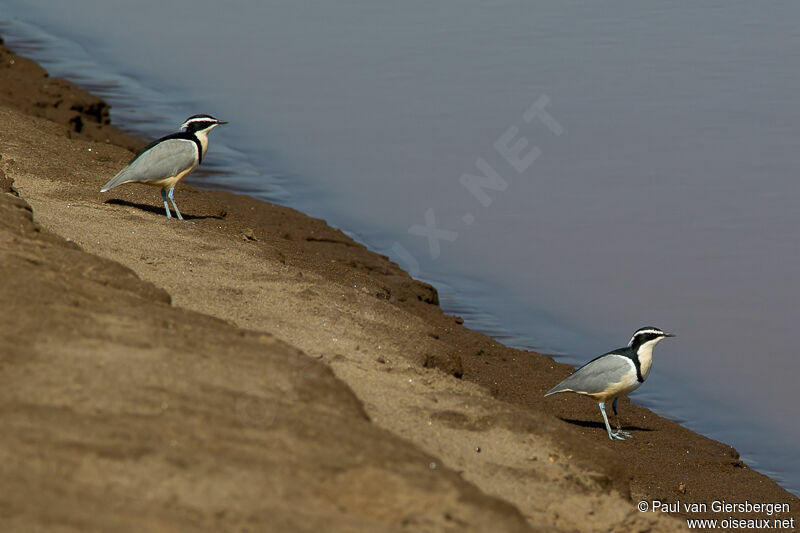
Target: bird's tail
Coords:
[[119, 179], [558, 388]]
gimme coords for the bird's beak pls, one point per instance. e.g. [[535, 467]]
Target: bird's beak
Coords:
[[669, 335]]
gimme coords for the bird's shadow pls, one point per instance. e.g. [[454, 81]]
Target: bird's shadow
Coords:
[[601, 425], [159, 210]]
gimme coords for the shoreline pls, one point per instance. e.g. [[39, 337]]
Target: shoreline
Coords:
[[271, 269]]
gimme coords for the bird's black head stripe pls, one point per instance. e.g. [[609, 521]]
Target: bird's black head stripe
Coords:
[[645, 335], [199, 125]]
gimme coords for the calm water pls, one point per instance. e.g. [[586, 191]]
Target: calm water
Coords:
[[639, 165]]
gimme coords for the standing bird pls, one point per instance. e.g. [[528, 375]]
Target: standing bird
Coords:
[[168, 160], [615, 374]]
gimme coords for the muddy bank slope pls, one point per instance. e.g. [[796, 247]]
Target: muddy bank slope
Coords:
[[470, 403]]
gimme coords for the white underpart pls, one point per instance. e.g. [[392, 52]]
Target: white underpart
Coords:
[[646, 356], [203, 136]]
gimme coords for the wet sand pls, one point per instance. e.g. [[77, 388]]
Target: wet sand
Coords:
[[253, 368]]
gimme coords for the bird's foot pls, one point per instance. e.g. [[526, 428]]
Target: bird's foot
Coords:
[[619, 435], [623, 433]]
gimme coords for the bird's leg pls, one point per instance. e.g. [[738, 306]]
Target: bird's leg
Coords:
[[166, 205], [611, 435], [616, 413], [172, 192]]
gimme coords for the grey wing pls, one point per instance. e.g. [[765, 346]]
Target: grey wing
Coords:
[[596, 375], [162, 161]]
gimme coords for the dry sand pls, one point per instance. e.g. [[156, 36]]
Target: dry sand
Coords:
[[254, 369]]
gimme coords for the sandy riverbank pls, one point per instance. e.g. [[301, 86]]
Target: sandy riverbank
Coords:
[[254, 368]]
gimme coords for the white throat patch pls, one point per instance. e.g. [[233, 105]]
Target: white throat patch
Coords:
[[202, 135], [645, 354]]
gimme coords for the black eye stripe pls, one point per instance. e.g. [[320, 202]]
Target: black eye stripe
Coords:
[[197, 125]]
